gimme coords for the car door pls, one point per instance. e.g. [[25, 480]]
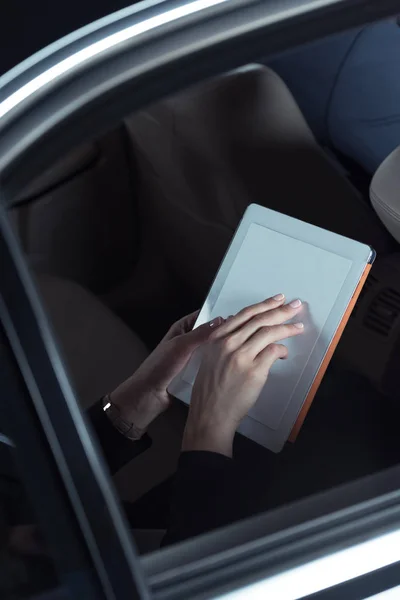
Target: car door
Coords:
[[348, 537]]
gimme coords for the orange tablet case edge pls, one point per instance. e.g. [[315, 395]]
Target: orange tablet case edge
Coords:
[[324, 365]]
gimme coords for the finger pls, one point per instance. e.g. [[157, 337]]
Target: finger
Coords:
[[269, 335], [187, 323], [202, 333], [181, 347], [271, 354], [249, 312], [269, 318], [184, 325]]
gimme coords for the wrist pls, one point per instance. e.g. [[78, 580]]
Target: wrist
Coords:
[[208, 438], [124, 425], [138, 402], [132, 408]]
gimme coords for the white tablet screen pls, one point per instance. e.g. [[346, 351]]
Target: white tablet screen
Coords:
[[262, 269]]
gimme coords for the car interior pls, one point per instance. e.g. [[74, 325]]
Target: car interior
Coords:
[[125, 234]]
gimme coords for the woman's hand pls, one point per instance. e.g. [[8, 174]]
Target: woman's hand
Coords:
[[235, 366], [144, 396]]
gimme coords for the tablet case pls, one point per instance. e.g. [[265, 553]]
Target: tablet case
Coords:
[[271, 251], [325, 363]]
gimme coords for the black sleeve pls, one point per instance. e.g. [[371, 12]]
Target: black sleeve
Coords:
[[209, 491], [117, 449]]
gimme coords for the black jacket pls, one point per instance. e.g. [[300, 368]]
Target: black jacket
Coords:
[[205, 492]]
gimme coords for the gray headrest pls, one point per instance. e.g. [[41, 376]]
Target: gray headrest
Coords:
[[385, 193]]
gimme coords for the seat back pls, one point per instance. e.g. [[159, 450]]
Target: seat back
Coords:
[[206, 154], [78, 218]]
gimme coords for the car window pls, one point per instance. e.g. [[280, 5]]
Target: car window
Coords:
[[386, 595], [84, 300], [26, 565]]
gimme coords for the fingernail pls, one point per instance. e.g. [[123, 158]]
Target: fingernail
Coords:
[[295, 303], [278, 297], [215, 322], [299, 325]]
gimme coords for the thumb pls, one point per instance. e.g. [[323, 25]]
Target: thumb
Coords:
[[188, 343], [202, 333]]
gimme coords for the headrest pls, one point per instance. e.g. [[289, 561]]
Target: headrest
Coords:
[[385, 193]]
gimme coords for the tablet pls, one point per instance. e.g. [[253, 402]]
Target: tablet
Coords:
[[272, 253]]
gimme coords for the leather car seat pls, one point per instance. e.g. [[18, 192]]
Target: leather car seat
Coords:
[[348, 88], [100, 352], [204, 155], [77, 219]]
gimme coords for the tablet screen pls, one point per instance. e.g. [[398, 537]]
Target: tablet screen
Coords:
[[269, 263]]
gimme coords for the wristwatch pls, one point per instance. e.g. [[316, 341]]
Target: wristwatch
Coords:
[[126, 428]]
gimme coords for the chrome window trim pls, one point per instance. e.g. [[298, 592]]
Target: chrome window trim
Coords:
[[279, 541], [288, 22]]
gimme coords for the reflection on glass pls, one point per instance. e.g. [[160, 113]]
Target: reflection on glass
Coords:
[[26, 568]]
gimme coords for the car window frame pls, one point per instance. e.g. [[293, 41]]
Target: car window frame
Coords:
[[38, 384], [43, 128], [184, 49]]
